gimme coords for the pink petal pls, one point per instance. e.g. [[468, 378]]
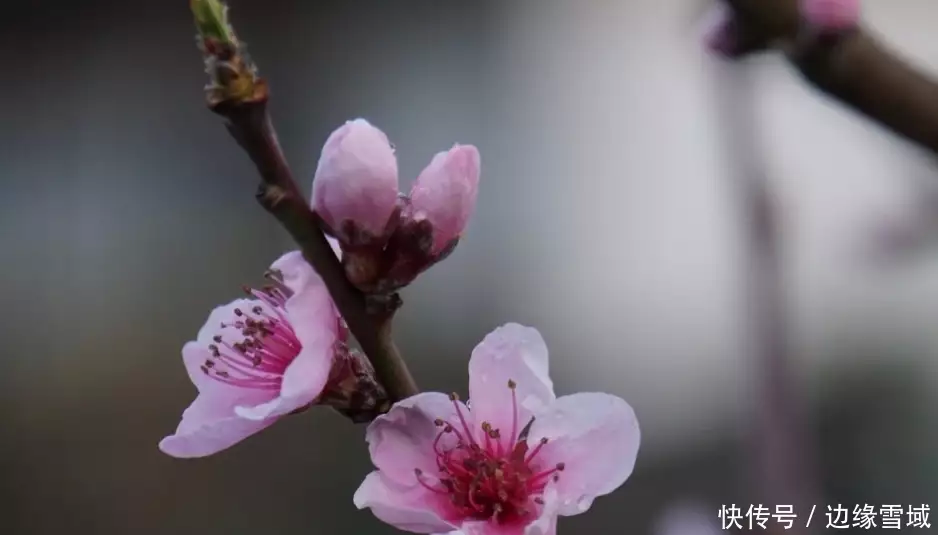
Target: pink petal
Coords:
[[409, 508], [597, 437], [445, 193], [314, 321], [209, 426], [223, 314], [719, 29], [544, 524], [402, 439], [833, 15], [356, 178], [194, 355], [336, 246], [297, 273], [511, 352]]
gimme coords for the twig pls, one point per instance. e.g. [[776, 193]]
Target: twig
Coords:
[[853, 68], [782, 456], [240, 95]]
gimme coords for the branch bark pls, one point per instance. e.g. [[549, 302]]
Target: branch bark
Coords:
[[854, 68], [237, 93], [250, 124]]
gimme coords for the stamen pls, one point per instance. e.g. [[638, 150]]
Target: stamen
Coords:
[[454, 397], [535, 451], [267, 346], [426, 485], [489, 482], [514, 413], [487, 430]]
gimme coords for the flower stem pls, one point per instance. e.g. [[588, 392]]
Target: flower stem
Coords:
[[239, 95]]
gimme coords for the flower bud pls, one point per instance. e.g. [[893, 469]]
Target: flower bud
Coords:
[[831, 16], [355, 188], [445, 194], [719, 30]]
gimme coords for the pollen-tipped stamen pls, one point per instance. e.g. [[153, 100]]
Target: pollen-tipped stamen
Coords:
[[487, 481], [454, 397]]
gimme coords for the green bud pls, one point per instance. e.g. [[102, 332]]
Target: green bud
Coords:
[[211, 19]]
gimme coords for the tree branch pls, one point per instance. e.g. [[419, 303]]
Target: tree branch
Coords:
[[854, 68], [237, 93], [782, 456]]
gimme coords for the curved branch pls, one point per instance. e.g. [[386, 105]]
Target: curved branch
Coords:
[[855, 69], [237, 93]]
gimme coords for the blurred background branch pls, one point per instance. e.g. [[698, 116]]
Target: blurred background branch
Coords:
[[782, 455], [853, 67]]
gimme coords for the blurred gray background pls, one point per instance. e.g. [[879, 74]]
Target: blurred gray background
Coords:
[[604, 219]]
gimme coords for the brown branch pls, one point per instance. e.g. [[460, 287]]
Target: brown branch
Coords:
[[239, 95], [854, 68]]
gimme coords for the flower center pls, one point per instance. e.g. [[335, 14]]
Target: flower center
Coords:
[[492, 479], [266, 342]]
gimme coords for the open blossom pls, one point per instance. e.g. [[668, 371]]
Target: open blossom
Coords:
[[355, 187], [258, 359], [511, 463], [831, 15]]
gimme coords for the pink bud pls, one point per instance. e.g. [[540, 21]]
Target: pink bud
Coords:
[[445, 193], [831, 15], [719, 30], [356, 181]]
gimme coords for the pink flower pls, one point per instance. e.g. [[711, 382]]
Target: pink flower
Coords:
[[445, 193], [719, 30], [389, 238], [831, 15], [355, 188], [510, 465], [256, 360]]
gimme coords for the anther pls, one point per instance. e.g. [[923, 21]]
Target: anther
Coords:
[[512, 384], [238, 312], [538, 500], [217, 338], [439, 422], [561, 466], [454, 396]]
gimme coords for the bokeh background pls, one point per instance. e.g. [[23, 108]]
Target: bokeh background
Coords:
[[605, 219]]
